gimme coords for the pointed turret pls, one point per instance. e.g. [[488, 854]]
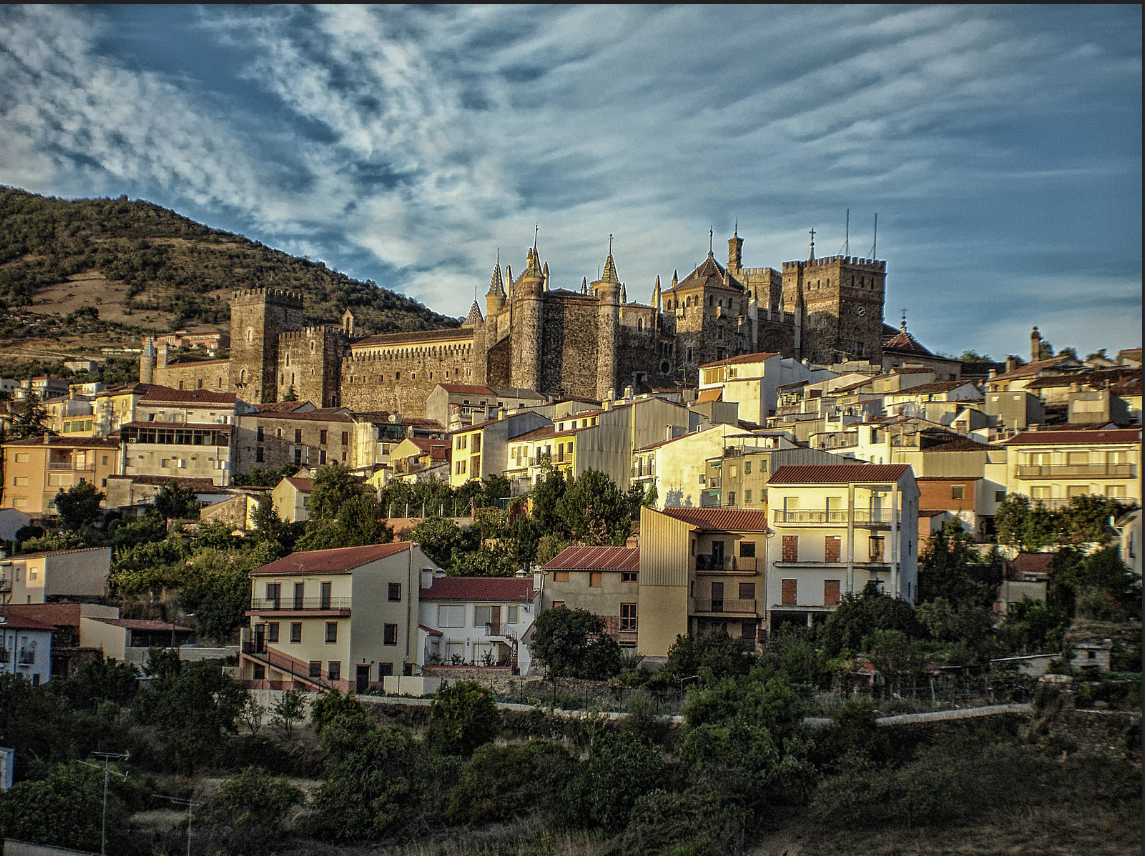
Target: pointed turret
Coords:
[[584, 285], [545, 271], [656, 293], [495, 296], [675, 279], [609, 274], [474, 317], [623, 294], [496, 284], [533, 264]]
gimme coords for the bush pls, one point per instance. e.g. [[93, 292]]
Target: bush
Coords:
[[503, 782], [693, 823], [618, 771], [462, 717]]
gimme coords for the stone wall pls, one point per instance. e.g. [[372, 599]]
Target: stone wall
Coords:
[[399, 376], [310, 363]]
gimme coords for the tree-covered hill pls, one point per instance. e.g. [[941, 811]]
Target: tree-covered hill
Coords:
[[162, 270]]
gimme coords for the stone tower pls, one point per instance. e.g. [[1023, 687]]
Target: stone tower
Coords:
[[147, 362], [842, 306], [607, 291], [258, 317], [527, 313]]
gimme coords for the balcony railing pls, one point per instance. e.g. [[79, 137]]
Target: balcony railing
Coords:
[[318, 604], [1072, 471], [726, 606], [836, 517], [706, 562], [71, 466], [27, 657]]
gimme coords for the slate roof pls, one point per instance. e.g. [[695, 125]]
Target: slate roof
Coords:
[[837, 474], [596, 559], [337, 560], [721, 519], [480, 588]]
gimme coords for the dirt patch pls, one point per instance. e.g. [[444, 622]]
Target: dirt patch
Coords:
[[91, 288]]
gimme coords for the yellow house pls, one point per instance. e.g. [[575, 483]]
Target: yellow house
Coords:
[[701, 569], [291, 497], [35, 470], [1054, 466], [344, 618], [484, 449]]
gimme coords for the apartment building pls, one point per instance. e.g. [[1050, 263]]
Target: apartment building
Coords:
[[752, 380], [271, 440], [1051, 467], [701, 569], [738, 477], [836, 529], [46, 577], [26, 648], [36, 469], [483, 449], [457, 405], [343, 618]]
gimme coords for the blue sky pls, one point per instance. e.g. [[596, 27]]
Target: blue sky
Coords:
[[999, 146]]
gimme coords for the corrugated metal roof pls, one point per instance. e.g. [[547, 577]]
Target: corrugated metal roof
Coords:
[[721, 519], [596, 559], [480, 588], [838, 473], [332, 561]]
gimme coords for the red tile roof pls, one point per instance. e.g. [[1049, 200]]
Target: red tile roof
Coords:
[[904, 343], [144, 624], [838, 473], [938, 386], [463, 388], [596, 559], [742, 358], [201, 397], [480, 588], [1034, 368], [336, 560], [1075, 438], [65, 442], [307, 416], [301, 484], [23, 622], [536, 434], [283, 406], [721, 519], [54, 614], [1027, 564]]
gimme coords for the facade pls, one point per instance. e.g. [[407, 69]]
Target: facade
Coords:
[[483, 449], [26, 648], [701, 569], [737, 478], [35, 470], [590, 343], [836, 529], [291, 497], [63, 574], [1052, 466], [344, 618], [271, 440], [751, 380], [480, 621], [602, 580]]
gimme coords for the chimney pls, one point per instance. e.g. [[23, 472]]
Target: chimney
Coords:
[[628, 393]]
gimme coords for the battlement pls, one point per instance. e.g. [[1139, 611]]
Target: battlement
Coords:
[[308, 333], [276, 296], [758, 271], [871, 265]]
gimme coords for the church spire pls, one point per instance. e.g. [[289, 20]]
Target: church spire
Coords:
[[675, 278], [609, 274], [496, 284], [656, 293], [584, 285]]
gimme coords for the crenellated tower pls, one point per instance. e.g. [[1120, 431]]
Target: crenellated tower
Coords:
[[258, 317]]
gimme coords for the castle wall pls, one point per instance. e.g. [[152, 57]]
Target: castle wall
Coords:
[[213, 375], [258, 317], [569, 346], [309, 364], [843, 306], [399, 376]]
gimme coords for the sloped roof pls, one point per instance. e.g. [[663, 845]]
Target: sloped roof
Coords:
[[199, 485], [742, 358], [201, 397], [144, 624], [721, 519], [280, 407], [904, 343], [57, 553], [837, 473], [480, 588], [714, 394], [463, 388], [1033, 368], [1075, 438], [937, 386], [301, 484], [305, 415], [709, 273], [23, 622], [67, 442], [335, 560], [596, 559]]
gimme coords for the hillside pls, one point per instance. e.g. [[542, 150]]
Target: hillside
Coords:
[[145, 268]]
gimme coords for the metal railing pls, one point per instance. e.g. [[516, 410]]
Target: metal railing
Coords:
[[876, 517], [724, 606], [296, 669], [71, 466], [705, 562], [27, 657], [263, 604], [1116, 471]]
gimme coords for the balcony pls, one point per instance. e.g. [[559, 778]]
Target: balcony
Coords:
[[705, 562], [727, 606], [26, 657], [5, 584], [339, 606], [71, 467], [5, 655], [1077, 471], [877, 518]]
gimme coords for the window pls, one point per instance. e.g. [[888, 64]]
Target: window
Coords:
[[830, 592], [831, 548], [957, 491], [731, 497], [747, 591], [315, 668], [627, 617], [331, 631], [451, 615], [322, 437], [390, 634], [334, 670], [300, 595], [296, 632], [272, 631], [999, 496], [557, 603], [628, 576], [790, 548], [1115, 491], [324, 595], [297, 435], [258, 455], [345, 438], [789, 592], [321, 456], [747, 496], [595, 579], [560, 576], [259, 672], [274, 594], [487, 615], [385, 670], [394, 592]]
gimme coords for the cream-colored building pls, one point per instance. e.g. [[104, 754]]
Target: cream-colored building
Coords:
[[677, 466], [1052, 467], [63, 574], [751, 381], [291, 498], [701, 570], [483, 449], [836, 529], [343, 618], [35, 470]]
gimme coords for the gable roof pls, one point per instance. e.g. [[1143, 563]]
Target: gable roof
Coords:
[[596, 559], [144, 624], [721, 519], [480, 588], [300, 484], [709, 273], [1034, 368], [336, 560], [904, 343], [837, 473], [742, 358]]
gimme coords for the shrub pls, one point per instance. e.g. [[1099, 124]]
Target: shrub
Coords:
[[462, 717]]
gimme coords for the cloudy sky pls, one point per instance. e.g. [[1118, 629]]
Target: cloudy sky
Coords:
[[1000, 147]]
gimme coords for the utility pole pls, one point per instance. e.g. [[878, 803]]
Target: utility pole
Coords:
[[107, 758], [190, 804]]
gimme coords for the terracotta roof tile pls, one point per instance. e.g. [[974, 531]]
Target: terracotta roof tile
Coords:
[[480, 588], [742, 358], [721, 519], [1075, 438], [201, 397], [596, 559], [336, 560], [301, 484], [904, 343], [838, 473], [23, 622]]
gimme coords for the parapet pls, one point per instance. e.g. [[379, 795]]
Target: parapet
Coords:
[[873, 265], [278, 297]]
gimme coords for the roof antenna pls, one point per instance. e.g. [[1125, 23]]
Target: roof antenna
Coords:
[[847, 239], [874, 246]]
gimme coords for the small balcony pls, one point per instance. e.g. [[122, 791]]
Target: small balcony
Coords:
[[331, 606], [71, 466], [726, 606], [706, 562], [26, 657], [876, 518], [1077, 471]]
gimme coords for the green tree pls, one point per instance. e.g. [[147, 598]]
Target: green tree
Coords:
[[1087, 517], [713, 656], [544, 498], [268, 525], [216, 587], [620, 768], [1028, 527], [461, 718], [173, 501], [855, 618], [572, 643], [288, 710], [78, 506], [503, 782], [595, 510], [439, 537], [247, 814], [30, 420], [333, 485]]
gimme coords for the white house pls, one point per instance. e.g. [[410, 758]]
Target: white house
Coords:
[[26, 648]]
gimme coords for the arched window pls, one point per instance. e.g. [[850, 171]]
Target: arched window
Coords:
[[639, 324], [242, 376], [250, 335]]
